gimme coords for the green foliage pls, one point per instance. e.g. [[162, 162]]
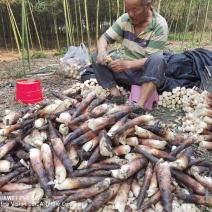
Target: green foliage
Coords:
[[171, 36], [192, 45], [188, 36], [25, 56], [61, 53], [39, 54], [14, 71], [173, 49], [39, 6]]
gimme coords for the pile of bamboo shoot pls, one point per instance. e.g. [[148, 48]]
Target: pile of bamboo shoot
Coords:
[[72, 67], [74, 89], [92, 84], [69, 70], [87, 155], [197, 105], [173, 99], [198, 117]]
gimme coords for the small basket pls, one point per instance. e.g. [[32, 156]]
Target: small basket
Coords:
[[28, 91]]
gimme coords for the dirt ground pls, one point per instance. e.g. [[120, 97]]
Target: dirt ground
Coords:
[[11, 70]]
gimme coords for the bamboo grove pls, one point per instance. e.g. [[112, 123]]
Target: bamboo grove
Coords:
[[47, 24]]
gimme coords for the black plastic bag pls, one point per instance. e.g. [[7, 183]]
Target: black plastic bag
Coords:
[[87, 73]]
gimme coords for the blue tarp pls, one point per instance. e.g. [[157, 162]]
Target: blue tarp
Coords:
[[185, 69]]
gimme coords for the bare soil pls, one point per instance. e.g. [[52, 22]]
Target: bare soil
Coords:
[[11, 70]]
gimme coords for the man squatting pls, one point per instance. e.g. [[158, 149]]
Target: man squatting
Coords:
[[143, 33]]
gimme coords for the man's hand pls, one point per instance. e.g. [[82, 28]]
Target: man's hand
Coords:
[[100, 58], [118, 65]]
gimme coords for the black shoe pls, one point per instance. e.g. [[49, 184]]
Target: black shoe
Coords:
[[119, 100], [139, 110]]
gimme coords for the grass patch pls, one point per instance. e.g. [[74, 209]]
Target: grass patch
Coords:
[[39, 55], [174, 50], [179, 37], [14, 71], [61, 53]]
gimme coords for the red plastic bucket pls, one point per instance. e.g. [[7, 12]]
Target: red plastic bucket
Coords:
[[28, 91]]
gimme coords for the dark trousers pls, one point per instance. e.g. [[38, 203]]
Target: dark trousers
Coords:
[[153, 70]]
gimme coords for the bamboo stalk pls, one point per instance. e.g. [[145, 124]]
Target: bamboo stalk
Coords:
[[76, 16], [110, 11], [97, 21], [55, 29], [14, 21], [176, 26], [66, 23], [80, 14], [197, 20], [187, 20], [35, 26], [87, 26], [123, 7], [23, 34], [27, 40], [70, 26], [203, 27], [30, 36], [4, 30], [118, 10], [14, 26]]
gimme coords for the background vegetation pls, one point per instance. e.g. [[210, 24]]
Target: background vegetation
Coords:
[[47, 24]]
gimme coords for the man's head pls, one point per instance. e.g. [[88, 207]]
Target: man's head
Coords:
[[138, 10]]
